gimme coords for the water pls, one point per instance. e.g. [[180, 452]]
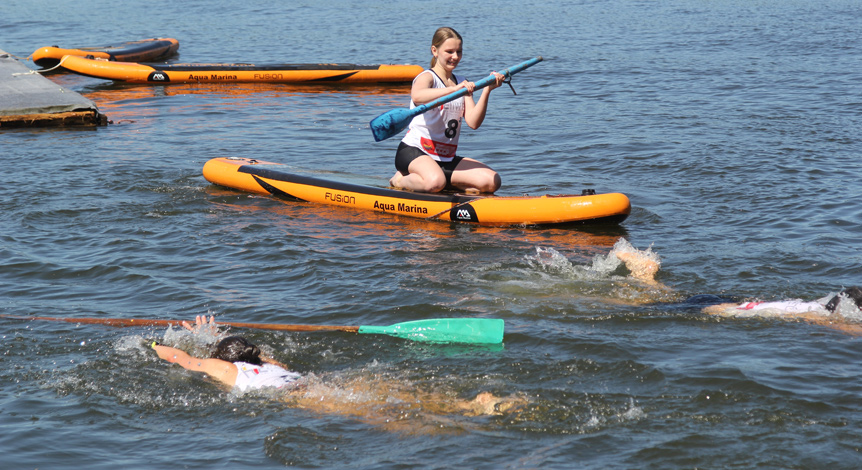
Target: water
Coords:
[[733, 126]]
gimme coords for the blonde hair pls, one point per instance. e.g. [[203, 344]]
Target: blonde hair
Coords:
[[440, 36]]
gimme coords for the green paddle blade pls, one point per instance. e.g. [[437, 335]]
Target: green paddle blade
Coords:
[[446, 330]]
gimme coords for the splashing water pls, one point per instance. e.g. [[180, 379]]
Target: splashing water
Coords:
[[846, 306], [602, 266], [631, 273]]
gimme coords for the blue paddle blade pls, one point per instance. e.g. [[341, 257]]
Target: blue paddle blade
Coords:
[[446, 330], [391, 123]]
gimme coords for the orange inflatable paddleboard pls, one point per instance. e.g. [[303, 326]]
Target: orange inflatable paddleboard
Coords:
[[232, 73], [144, 50], [484, 209]]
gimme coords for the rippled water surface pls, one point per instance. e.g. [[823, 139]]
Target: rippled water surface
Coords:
[[733, 126]]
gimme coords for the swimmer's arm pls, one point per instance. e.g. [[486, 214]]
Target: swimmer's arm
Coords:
[[719, 309], [640, 266], [218, 369], [814, 318], [202, 325]]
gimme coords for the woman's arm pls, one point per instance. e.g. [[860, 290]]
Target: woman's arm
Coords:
[[423, 90], [474, 113], [202, 325], [218, 369], [720, 309], [641, 265]]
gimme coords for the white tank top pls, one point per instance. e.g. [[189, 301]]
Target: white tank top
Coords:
[[251, 377], [436, 132]]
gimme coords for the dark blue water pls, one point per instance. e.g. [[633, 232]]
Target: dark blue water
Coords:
[[733, 126]]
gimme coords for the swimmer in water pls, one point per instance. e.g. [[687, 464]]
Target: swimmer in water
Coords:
[[240, 365], [832, 311], [835, 311]]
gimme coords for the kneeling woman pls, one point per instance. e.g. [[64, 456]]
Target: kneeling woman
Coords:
[[426, 159]]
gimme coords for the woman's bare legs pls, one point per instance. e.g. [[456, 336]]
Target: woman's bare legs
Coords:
[[425, 176], [385, 402], [474, 175]]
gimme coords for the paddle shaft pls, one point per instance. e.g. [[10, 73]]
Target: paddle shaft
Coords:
[[125, 322], [391, 123], [479, 85], [445, 330]]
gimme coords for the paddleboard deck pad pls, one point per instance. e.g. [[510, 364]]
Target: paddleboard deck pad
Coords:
[[275, 179], [232, 73], [144, 50]]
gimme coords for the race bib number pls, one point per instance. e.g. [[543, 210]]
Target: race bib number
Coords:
[[438, 148]]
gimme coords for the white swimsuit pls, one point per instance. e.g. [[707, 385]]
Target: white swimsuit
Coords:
[[784, 307], [252, 377]]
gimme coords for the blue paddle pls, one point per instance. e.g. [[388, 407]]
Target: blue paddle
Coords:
[[391, 123]]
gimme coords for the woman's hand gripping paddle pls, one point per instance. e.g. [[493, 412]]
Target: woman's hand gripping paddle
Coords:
[[391, 123], [444, 330]]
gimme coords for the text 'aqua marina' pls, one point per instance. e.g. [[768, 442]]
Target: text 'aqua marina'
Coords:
[[213, 77], [401, 207]]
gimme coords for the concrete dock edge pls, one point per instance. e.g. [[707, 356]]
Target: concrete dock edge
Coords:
[[27, 99]]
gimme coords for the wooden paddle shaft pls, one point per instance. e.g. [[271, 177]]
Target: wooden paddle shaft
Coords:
[[124, 322]]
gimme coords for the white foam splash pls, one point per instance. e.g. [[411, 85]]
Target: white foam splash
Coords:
[[601, 267], [846, 306], [551, 261], [633, 412]]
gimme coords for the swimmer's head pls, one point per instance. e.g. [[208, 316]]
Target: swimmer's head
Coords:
[[237, 349], [853, 293]]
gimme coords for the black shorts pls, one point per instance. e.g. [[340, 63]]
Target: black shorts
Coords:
[[407, 153]]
